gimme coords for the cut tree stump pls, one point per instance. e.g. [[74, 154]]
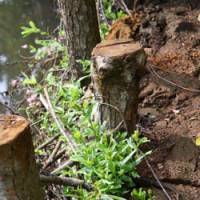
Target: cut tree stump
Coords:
[[19, 176], [116, 71]]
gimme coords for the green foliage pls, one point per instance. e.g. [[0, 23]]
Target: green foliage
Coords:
[[29, 80], [109, 13], [85, 65], [107, 161], [140, 194], [110, 16], [31, 29], [45, 48], [104, 28]]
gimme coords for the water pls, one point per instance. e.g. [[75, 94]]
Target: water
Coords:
[[13, 15]]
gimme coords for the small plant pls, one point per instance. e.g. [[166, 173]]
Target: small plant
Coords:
[[109, 12], [141, 194], [109, 163], [31, 29], [110, 16], [44, 48], [29, 80], [85, 65]]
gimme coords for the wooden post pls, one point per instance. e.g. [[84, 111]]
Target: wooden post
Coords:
[[116, 70], [19, 176]]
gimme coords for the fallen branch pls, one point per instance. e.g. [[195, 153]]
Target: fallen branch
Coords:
[[66, 164], [148, 182], [151, 69], [65, 181], [60, 153], [179, 181], [50, 140], [142, 181], [168, 183], [57, 156], [52, 157]]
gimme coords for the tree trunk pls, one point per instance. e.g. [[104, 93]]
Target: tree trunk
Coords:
[[81, 27], [129, 3], [19, 177], [117, 68]]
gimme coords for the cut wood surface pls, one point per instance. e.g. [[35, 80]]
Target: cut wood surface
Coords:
[[19, 177], [116, 71], [116, 48]]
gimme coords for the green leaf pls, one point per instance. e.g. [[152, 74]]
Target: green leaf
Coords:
[[29, 81], [197, 141]]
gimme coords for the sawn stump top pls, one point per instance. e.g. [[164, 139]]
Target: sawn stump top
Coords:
[[11, 126], [116, 48]]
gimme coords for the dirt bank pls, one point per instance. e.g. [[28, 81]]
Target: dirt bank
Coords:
[[169, 111]]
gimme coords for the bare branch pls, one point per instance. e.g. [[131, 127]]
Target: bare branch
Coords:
[[66, 164], [53, 154], [50, 140], [65, 181]]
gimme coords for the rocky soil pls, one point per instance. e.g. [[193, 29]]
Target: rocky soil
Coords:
[[169, 112]]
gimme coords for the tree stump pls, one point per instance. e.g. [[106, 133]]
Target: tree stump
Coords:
[[19, 177], [116, 71]]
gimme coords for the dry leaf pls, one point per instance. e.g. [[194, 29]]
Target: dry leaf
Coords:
[[197, 141]]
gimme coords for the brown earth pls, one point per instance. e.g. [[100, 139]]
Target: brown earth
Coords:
[[169, 112]]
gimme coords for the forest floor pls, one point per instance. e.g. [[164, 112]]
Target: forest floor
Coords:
[[169, 109]]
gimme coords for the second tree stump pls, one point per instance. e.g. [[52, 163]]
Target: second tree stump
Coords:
[[116, 71]]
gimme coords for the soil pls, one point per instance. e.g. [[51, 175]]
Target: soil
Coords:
[[169, 111]]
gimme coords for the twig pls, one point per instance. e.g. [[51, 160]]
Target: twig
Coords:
[[66, 132], [135, 5], [117, 128], [51, 158], [152, 71], [60, 153], [50, 140], [66, 164], [156, 178], [57, 156], [20, 103], [179, 181], [124, 7], [65, 181], [101, 13], [143, 181], [44, 102], [147, 182]]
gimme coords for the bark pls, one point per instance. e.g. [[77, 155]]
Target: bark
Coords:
[[129, 3], [81, 27], [19, 177], [117, 68]]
